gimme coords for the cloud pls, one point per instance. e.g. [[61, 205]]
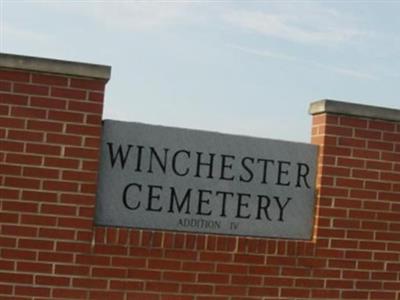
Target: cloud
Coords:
[[348, 72], [132, 15], [281, 56], [264, 53], [13, 35], [306, 25]]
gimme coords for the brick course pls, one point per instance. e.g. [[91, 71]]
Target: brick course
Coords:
[[50, 128]]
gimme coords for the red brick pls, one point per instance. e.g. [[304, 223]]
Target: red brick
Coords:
[[230, 290], [45, 126], [325, 294], [109, 272], [377, 185], [31, 89], [14, 75], [46, 102], [70, 117], [382, 295], [246, 280], [369, 154], [55, 257], [40, 172], [38, 220], [382, 125], [353, 122], [351, 142], [79, 176], [49, 79], [312, 262], [179, 276], [144, 274], [162, 286], [164, 264], [339, 284], [360, 234], [95, 119], [18, 254], [83, 130], [378, 165], [52, 280], [142, 295], [34, 267], [96, 96], [19, 230], [76, 152], [20, 206], [10, 170], [60, 186], [13, 99], [337, 130], [68, 93], [388, 156], [61, 162], [370, 265], [6, 289], [39, 196], [8, 217], [87, 107], [110, 249], [23, 135], [9, 242], [28, 112], [77, 199], [92, 142], [101, 260], [89, 283], [89, 84], [368, 134], [23, 159], [354, 295], [64, 139], [232, 268], [309, 283], [35, 244], [11, 122], [59, 210], [278, 281], [22, 182], [198, 266], [32, 291], [68, 293], [114, 295], [363, 194], [4, 110], [295, 292], [380, 146], [71, 270], [124, 285]]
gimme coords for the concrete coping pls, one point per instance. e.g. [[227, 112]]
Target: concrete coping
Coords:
[[56, 66], [354, 109]]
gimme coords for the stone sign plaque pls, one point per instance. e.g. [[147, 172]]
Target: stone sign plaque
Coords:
[[155, 177]]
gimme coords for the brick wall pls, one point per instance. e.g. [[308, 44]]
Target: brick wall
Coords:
[[49, 249]]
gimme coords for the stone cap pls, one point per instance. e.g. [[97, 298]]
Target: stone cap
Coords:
[[56, 66], [354, 109]]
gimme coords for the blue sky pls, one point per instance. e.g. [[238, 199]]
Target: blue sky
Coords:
[[242, 67]]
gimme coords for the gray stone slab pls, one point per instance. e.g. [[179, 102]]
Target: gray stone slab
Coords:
[[56, 66], [354, 109], [165, 178]]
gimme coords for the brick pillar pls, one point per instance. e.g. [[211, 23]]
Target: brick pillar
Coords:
[[359, 196], [50, 124]]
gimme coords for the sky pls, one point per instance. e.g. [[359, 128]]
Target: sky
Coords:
[[240, 67]]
